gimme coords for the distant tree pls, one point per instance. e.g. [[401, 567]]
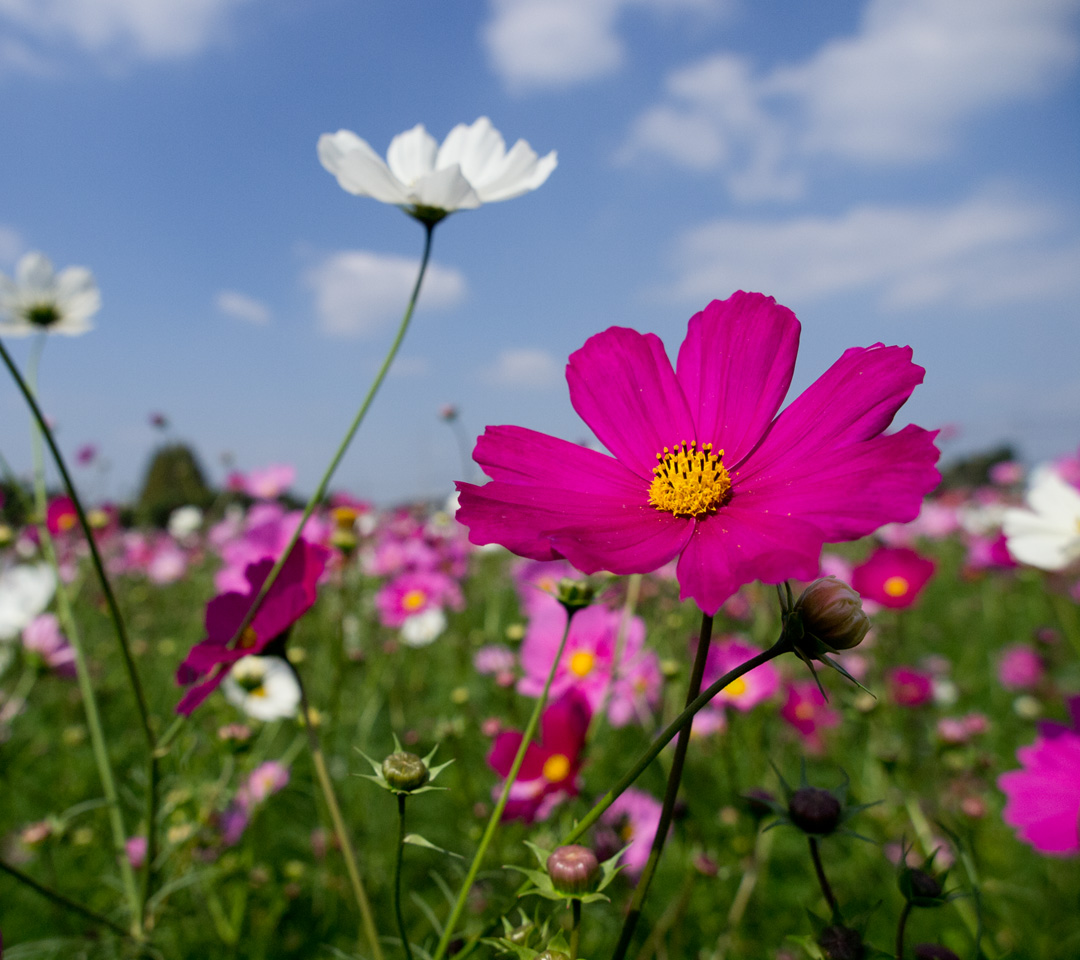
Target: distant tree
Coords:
[[974, 469], [173, 479]]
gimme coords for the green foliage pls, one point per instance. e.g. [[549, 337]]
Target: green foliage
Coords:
[[173, 479]]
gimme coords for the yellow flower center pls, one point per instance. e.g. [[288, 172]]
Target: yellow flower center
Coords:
[[556, 768], [65, 522], [688, 482], [581, 663], [804, 711], [896, 586], [247, 639], [736, 688], [414, 599]]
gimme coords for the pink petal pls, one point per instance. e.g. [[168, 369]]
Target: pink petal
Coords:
[[848, 491], [505, 748], [735, 546], [735, 368], [623, 387], [855, 399]]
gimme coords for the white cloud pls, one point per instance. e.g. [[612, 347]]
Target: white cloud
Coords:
[[986, 250], [896, 92], [525, 367], [242, 307], [558, 43], [357, 292], [11, 244], [135, 29]]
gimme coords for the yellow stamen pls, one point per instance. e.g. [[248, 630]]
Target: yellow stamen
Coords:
[[804, 711], [688, 482], [248, 639], [414, 599], [896, 586], [556, 768], [736, 688], [581, 663]]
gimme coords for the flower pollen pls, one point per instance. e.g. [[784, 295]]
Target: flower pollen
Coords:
[[688, 482], [414, 600], [556, 768], [896, 586], [736, 688], [581, 663]]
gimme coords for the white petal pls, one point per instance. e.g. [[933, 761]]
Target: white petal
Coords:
[[77, 294], [358, 168], [478, 149], [445, 189], [521, 172], [35, 271], [1051, 496], [412, 155]]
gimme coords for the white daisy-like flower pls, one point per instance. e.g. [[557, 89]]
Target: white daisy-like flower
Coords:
[[40, 299], [471, 168], [1046, 534], [263, 687], [25, 591], [423, 628], [184, 521]]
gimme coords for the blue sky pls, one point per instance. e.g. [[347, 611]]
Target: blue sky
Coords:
[[892, 171]]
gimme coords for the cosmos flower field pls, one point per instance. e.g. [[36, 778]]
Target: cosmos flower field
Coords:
[[758, 681]]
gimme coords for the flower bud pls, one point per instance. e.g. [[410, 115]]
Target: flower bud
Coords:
[[574, 594], [841, 943], [814, 811], [921, 888], [832, 613], [573, 869], [933, 951], [405, 771]]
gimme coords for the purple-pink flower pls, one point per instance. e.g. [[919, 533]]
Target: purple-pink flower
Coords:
[[703, 468], [1020, 668], [909, 687], [634, 816], [892, 576], [290, 597], [1044, 795], [808, 712], [43, 636]]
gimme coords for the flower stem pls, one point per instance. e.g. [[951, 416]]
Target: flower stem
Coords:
[[340, 830], [401, 798], [82, 669], [667, 811], [900, 927], [320, 490], [500, 806], [63, 901], [575, 928], [823, 881]]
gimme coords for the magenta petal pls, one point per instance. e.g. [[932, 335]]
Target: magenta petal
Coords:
[[564, 724], [736, 547], [623, 387], [505, 748], [854, 400], [850, 491], [735, 368], [197, 694], [623, 540]]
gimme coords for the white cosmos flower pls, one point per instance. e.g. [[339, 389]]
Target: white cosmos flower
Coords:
[[1047, 534], [184, 521], [263, 687], [40, 299], [25, 591], [472, 167], [423, 628]]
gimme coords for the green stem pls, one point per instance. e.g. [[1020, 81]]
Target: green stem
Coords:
[[82, 669], [500, 806], [900, 927], [340, 830], [62, 901], [401, 798], [667, 811], [324, 483], [653, 751], [575, 928]]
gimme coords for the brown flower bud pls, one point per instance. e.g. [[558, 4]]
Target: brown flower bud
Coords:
[[814, 811], [573, 869], [832, 613]]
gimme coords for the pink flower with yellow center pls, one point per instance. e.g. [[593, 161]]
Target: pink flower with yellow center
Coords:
[[809, 713], [892, 576], [747, 691], [703, 468], [909, 687], [60, 516], [414, 593]]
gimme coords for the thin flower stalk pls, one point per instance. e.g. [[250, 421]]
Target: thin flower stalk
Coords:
[[82, 670], [324, 483], [399, 856], [823, 881], [500, 806], [367, 919], [671, 794]]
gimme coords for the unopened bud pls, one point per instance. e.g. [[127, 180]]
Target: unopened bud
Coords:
[[573, 869], [933, 951], [832, 613], [921, 888], [575, 594], [841, 943], [405, 771], [814, 811]]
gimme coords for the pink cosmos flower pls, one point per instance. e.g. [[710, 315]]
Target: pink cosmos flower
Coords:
[[85, 455], [42, 636], [1044, 795], [263, 533], [60, 516], [414, 593], [634, 816], [989, 553], [135, 849], [909, 687], [588, 662], [549, 772], [809, 713], [892, 576], [703, 469], [1020, 668], [289, 598], [268, 483], [750, 689], [538, 580]]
